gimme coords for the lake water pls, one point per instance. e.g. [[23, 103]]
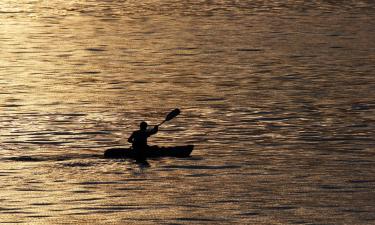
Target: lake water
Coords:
[[277, 97]]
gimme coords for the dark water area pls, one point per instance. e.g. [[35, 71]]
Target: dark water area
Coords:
[[276, 96]]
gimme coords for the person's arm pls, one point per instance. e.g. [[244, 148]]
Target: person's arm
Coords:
[[130, 139], [153, 130]]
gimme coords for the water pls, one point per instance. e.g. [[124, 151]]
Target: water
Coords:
[[277, 97]]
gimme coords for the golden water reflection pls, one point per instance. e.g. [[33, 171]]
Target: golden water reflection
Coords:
[[276, 96]]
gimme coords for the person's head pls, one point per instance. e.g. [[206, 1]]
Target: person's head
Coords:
[[143, 125]]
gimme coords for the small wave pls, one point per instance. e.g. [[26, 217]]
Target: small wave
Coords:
[[98, 182], [13, 12], [77, 164], [197, 219], [202, 167], [46, 142], [25, 159], [55, 158], [249, 50], [95, 49]]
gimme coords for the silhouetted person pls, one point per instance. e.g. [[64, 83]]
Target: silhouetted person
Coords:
[[139, 140]]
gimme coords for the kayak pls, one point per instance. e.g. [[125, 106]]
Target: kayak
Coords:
[[152, 152]]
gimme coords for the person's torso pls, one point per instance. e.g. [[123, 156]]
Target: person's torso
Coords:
[[140, 138]]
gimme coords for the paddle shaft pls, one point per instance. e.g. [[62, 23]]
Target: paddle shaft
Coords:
[[161, 123]]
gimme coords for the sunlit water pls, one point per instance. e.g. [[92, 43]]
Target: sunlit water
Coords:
[[277, 96]]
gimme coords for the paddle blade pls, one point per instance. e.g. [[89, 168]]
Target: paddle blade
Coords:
[[172, 114]]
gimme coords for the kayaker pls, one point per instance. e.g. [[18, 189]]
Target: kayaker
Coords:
[[139, 140]]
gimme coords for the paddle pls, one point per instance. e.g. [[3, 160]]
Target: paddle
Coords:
[[171, 115]]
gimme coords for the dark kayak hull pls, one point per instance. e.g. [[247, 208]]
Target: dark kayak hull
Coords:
[[152, 152]]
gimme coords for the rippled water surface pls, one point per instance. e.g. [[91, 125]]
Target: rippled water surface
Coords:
[[277, 97]]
